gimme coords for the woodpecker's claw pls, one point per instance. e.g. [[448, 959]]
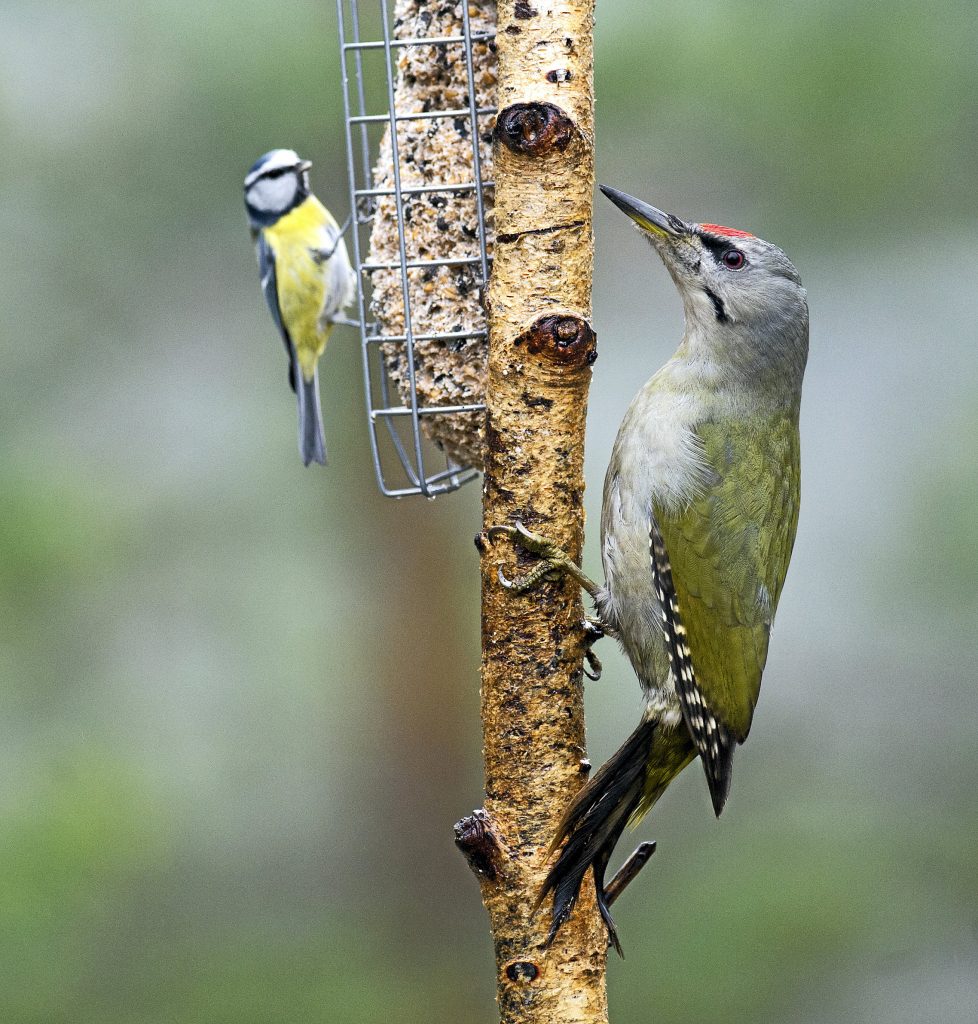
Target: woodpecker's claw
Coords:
[[535, 543], [554, 561], [595, 666], [521, 584], [594, 630]]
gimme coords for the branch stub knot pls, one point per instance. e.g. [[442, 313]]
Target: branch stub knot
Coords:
[[562, 338], [534, 129]]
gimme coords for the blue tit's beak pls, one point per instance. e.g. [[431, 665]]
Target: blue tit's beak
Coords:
[[646, 217], [303, 165]]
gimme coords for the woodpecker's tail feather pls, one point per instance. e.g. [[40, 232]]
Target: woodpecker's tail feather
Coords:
[[621, 793], [312, 446], [592, 825]]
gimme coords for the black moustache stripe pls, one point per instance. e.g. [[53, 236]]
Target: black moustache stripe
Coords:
[[717, 305]]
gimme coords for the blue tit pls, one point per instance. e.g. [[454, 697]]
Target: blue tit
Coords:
[[305, 274]]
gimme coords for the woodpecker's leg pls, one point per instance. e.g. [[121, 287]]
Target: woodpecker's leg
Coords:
[[594, 630], [554, 561]]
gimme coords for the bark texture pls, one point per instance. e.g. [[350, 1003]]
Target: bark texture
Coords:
[[541, 348]]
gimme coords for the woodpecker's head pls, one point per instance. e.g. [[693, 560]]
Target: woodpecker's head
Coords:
[[742, 296], [276, 183]]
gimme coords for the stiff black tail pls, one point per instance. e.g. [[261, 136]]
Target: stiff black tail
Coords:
[[592, 825], [312, 447]]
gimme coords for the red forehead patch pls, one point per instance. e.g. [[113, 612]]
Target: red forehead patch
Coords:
[[719, 229]]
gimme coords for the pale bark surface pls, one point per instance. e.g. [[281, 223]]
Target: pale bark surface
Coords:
[[540, 354]]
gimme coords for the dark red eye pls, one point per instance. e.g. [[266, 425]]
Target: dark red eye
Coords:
[[733, 259]]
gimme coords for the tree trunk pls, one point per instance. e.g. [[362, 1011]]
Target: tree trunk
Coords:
[[541, 347]]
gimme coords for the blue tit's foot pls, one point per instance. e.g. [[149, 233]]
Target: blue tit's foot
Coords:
[[554, 561], [323, 256]]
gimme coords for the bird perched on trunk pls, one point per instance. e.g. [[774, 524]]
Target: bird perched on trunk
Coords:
[[697, 525], [305, 274]]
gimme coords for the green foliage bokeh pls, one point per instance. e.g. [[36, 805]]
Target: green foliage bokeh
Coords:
[[240, 700]]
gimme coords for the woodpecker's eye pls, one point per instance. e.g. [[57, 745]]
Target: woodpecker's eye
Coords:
[[733, 259]]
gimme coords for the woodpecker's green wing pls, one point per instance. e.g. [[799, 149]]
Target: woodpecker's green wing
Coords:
[[719, 565]]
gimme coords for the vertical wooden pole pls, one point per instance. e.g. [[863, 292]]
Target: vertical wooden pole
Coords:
[[541, 347]]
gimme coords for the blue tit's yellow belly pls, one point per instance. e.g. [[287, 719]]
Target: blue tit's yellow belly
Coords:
[[300, 281]]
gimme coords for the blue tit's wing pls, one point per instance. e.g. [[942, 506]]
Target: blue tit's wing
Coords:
[[269, 286]]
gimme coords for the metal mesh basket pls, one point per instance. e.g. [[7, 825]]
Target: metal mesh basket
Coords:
[[404, 420]]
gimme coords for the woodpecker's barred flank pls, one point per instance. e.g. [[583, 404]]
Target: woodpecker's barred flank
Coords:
[[712, 739]]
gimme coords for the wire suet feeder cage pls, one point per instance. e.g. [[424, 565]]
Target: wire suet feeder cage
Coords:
[[422, 199]]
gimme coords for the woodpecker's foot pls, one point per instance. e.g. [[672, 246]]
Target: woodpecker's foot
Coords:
[[594, 630], [554, 561], [594, 666]]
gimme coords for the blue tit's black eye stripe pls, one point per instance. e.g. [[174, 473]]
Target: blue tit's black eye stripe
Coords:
[[275, 172]]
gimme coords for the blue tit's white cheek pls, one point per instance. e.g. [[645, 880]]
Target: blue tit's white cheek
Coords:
[[268, 195]]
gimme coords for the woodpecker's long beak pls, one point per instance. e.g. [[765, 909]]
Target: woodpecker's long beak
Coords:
[[646, 217]]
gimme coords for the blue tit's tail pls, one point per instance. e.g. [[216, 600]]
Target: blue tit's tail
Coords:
[[312, 446], [623, 790]]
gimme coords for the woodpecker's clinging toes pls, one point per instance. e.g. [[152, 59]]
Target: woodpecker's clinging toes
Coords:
[[698, 521], [305, 274]]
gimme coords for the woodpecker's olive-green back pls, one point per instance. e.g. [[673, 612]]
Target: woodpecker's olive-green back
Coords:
[[729, 549]]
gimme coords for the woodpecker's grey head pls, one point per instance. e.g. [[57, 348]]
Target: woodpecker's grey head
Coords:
[[276, 183], [742, 296]]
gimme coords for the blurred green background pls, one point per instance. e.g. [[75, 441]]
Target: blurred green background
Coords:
[[239, 699]]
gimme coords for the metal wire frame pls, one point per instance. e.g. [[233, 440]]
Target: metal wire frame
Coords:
[[396, 439]]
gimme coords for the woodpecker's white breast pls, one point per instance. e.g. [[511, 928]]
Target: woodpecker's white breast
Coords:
[[657, 461]]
